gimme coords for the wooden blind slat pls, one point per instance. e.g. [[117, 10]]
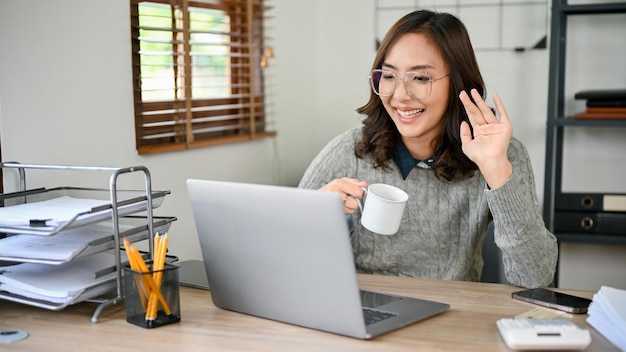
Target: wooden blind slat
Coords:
[[196, 104], [168, 116], [174, 133]]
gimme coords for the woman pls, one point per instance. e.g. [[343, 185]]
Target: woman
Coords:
[[429, 132]]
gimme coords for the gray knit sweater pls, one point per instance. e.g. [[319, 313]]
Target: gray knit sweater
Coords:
[[444, 224]]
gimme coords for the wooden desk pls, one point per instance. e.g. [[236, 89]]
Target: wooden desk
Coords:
[[469, 325]]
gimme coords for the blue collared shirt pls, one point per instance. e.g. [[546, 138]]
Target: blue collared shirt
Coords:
[[406, 162]]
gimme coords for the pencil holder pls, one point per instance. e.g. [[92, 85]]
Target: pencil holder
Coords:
[[152, 298]]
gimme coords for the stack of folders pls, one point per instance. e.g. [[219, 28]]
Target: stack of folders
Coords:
[[591, 213], [603, 104], [607, 314]]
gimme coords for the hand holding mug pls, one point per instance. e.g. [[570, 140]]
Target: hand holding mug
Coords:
[[383, 208], [350, 189]]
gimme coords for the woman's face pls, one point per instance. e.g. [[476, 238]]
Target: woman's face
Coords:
[[418, 119]]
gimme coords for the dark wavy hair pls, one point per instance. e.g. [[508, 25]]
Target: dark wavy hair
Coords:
[[380, 135]]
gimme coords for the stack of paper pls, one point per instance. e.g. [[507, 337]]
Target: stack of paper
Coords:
[[60, 248], [58, 283], [607, 314], [49, 213]]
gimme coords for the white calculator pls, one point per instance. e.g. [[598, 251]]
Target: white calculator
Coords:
[[543, 334]]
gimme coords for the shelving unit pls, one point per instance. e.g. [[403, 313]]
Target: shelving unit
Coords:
[[116, 206], [557, 120]]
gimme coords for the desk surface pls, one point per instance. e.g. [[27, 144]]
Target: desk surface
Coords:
[[469, 325]]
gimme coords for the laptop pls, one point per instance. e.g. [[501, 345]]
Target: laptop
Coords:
[[284, 254]]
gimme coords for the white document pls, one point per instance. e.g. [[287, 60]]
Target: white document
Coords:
[[58, 281], [607, 314], [53, 212], [61, 247]]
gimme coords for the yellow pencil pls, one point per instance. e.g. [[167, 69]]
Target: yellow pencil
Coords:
[[151, 310], [142, 287], [160, 250], [155, 247]]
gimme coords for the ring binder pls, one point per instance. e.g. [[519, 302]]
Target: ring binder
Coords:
[[592, 202], [590, 222]]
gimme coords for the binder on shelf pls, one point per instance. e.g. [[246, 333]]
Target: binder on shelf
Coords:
[[590, 202], [605, 103], [602, 94], [590, 222]]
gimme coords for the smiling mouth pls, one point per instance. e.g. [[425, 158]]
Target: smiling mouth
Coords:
[[410, 113]]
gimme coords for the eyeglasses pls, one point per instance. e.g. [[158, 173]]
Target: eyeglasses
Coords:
[[418, 84]]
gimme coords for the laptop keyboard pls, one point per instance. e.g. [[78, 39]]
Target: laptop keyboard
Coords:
[[374, 316]]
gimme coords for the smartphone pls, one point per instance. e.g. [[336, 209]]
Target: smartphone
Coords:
[[554, 300]]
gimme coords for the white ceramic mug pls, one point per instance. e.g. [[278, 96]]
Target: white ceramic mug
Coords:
[[383, 208]]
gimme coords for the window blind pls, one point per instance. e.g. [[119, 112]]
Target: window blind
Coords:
[[198, 73]]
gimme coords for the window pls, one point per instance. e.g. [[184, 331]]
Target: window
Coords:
[[197, 73]]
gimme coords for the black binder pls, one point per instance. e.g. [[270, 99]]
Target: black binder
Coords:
[[605, 103], [603, 97], [590, 202], [602, 94], [590, 222]]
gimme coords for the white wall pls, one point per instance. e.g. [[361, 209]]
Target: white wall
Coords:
[[65, 98]]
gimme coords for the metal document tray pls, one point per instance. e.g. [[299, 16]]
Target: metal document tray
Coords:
[[128, 202]]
